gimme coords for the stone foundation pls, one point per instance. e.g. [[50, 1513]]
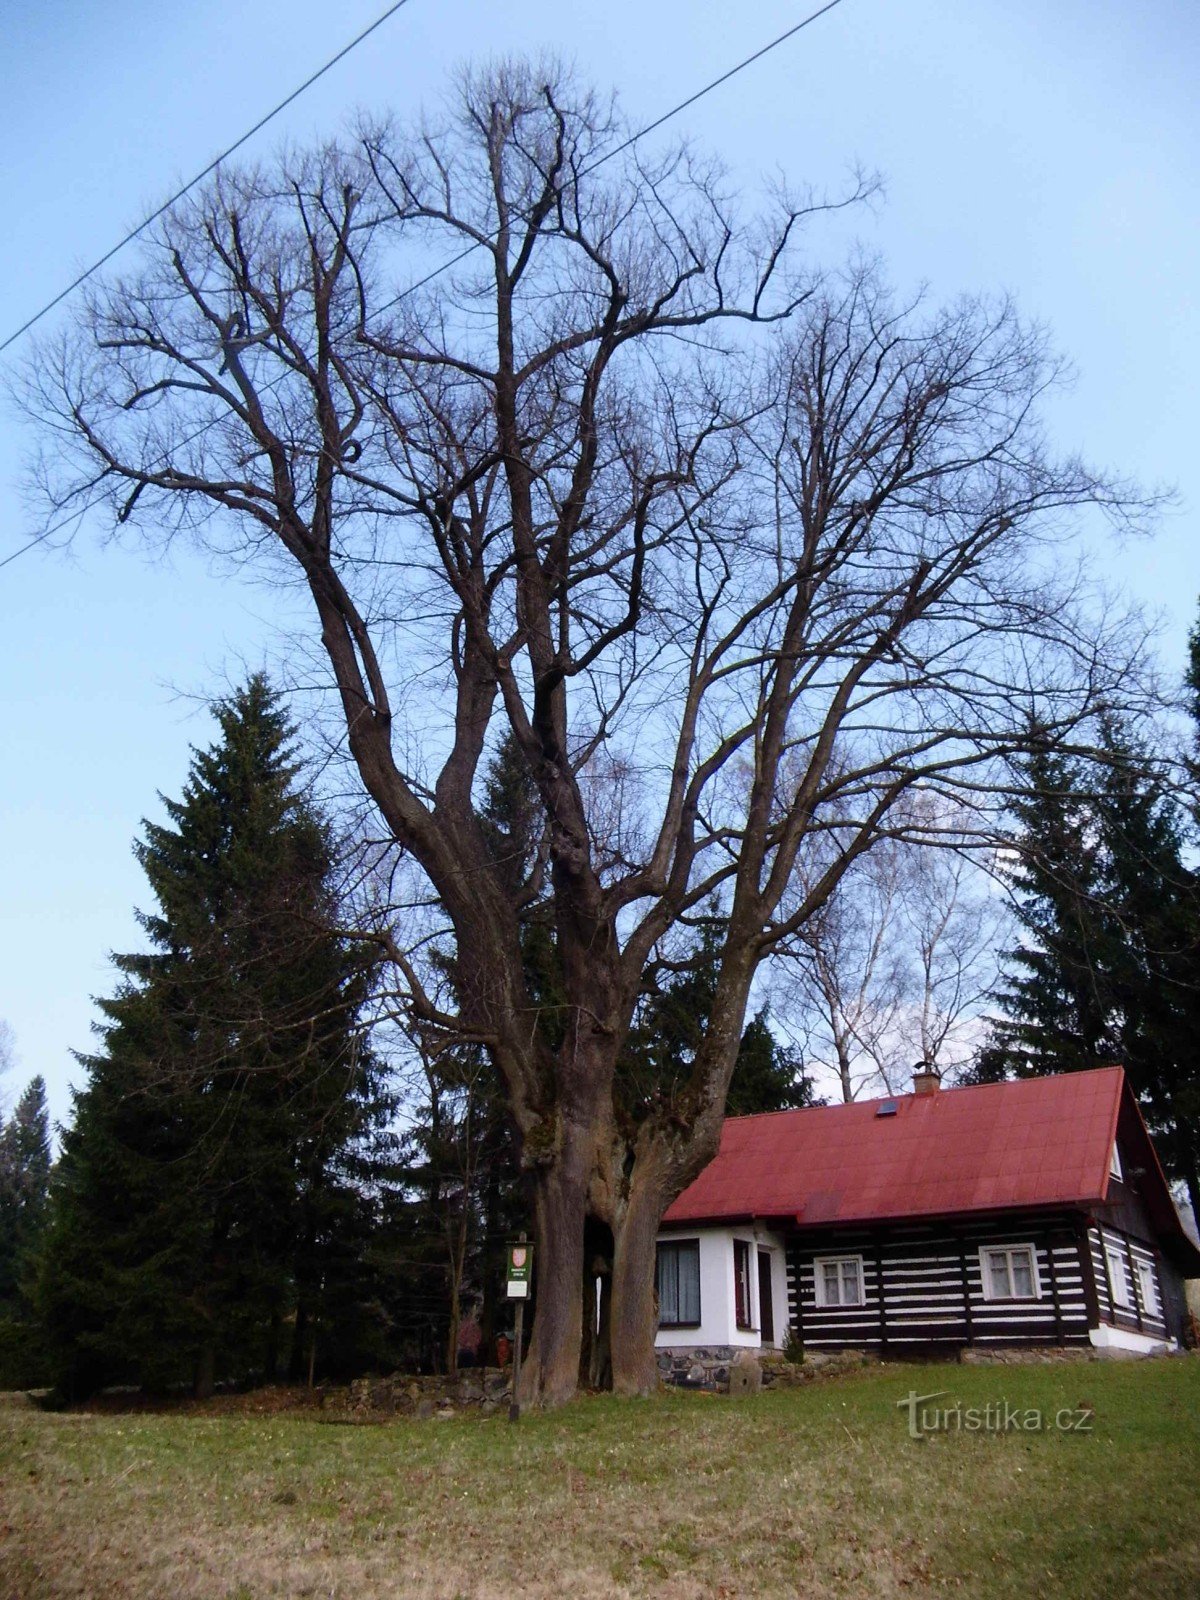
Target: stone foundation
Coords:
[[694, 1367], [1026, 1355], [720, 1369]]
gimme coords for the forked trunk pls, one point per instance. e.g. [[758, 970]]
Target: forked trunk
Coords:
[[633, 1318]]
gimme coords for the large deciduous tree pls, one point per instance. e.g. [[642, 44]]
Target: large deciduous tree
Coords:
[[735, 556]]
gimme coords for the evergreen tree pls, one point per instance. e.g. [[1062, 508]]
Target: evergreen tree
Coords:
[[1154, 973], [24, 1185], [768, 1076], [670, 1029], [1056, 1001], [208, 1174], [1109, 968]]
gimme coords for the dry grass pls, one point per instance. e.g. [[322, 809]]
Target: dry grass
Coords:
[[815, 1492]]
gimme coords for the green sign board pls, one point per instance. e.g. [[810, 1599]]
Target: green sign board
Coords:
[[520, 1271]]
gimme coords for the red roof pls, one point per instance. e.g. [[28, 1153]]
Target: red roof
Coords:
[[1033, 1142]]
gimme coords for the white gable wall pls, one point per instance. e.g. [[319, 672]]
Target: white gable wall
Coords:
[[718, 1306]]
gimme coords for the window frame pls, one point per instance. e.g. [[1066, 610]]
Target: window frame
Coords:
[[678, 1245], [819, 1263], [1146, 1274], [1115, 1169], [1115, 1261], [1008, 1251], [743, 1307]]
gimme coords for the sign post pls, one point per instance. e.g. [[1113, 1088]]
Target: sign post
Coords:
[[519, 1281]]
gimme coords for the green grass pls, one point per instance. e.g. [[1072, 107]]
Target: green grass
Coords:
[[817, 1491]]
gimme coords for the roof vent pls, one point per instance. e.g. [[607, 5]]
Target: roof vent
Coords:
[[886, 1108]]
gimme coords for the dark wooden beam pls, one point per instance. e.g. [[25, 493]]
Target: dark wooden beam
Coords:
[[1060, 1335], [1087, 1268]]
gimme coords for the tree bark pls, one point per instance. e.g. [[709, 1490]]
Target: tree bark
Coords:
[[632, 1319], [550, 1374]]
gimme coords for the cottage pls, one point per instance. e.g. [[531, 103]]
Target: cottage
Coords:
[[1033, 1212]]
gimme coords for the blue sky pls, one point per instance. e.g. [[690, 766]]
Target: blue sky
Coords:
[[1050, 150]]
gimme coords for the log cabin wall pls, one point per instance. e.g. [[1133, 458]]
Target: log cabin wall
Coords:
[[1121, 1234], [1123, 1267], [923, 1285]]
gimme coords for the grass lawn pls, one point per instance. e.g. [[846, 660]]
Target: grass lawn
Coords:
[[814, 1492]]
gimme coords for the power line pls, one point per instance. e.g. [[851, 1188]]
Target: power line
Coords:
[[41, 538], [633, 139], [453, 261], [200, 176]]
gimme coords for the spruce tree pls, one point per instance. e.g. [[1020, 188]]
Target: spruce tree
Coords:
[[1057, 1006], [1109, 966], [203, 1183], [24, 1184], [1154, 975]]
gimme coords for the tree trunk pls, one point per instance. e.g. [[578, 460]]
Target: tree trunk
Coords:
[[206, 1370], [550, 1374], [490, 1253], [1191, 1177], [274, 1338], [633, 1318], [298, 1352], [456, 1257]]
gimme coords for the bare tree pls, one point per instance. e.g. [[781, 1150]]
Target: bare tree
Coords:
[[631, 486], [892, 970], [841, 983], [8, 1059]]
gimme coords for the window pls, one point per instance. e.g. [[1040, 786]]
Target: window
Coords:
[[1148, 1287], [839, 1280], [1114, 1166], [1118, 1277], [1010, 1273], [741, 1283], [679, 1284]]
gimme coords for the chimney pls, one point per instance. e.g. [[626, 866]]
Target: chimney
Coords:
[[926, 1078]]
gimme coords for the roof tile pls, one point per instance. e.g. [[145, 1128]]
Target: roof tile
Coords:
[[1030, 1142]]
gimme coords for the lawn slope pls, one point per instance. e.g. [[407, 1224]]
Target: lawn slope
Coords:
[[817, 1492]]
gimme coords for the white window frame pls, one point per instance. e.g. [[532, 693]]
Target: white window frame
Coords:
[[1118, 1278], [1008, 1251], [1114, 1166], [1147, 1279], [819, 1264]]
